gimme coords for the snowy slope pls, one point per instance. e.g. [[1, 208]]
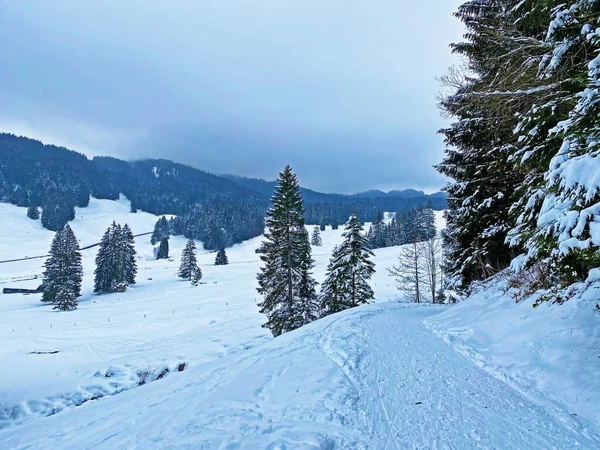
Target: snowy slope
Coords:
[[373, 377], [551, 351], [351, 381], [161, 321]]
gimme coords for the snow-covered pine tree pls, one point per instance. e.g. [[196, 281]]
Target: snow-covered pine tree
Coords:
[[499, 85], [104, 273], [63, 272], [196, 276], [188, 261], [308, 306], [119, 251], [376, 238], [285, 280], [161, 230], [349, 270], [163, 249], [560, 154], [221, 258], [33, 212], [130, 263], [115, 262], [316, 237]]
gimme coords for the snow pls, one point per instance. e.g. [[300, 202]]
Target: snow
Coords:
[[371, 377], [549, 352]]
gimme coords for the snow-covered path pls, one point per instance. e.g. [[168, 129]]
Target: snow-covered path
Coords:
[[373, 377]]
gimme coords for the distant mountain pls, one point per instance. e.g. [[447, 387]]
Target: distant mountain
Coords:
[[373, 193], [219, 210], [310, 196]]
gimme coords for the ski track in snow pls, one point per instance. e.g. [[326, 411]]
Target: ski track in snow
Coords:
[[371, 378]]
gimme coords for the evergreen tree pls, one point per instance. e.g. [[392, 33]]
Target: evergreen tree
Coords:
[[163, 249], [196, 276], [63, 272], [349, 270], [221, 258], [115, 262], [285, 280], [130, 263], [376, 238], [33, 212], [188, 261], [104, 273], [161, 230], [316, 237]]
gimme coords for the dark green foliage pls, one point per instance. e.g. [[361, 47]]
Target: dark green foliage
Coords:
[[221, 258], [115, 262], [316, 237], [161, 230], [63, 272], [163, 249], [285, 280], [188, 261], [349, 270], [130, 266], [196, 276], [33, 212]]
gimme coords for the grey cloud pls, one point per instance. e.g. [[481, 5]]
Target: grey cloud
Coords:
[[342, 90]]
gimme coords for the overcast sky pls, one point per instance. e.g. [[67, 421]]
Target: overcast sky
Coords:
[[343, 90]]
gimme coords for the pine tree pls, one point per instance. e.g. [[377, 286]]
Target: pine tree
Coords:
[[316, 237], [376, 237], [161, 230], [196, 276], [349, 270], [221, 258], [33, 212], [285, 280], [63, 272], [104, 273], [188, 261], [130, 264], [115, 262], [163, 249]]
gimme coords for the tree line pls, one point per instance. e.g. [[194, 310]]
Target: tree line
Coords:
[[523, 149], [51, 181]]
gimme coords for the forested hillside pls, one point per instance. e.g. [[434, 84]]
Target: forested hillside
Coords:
[[214, 209], [523, 148]]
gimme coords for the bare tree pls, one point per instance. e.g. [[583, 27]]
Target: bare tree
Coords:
[[409, 274], [432, 263]]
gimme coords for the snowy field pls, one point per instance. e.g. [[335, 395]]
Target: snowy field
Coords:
[[374, 377]]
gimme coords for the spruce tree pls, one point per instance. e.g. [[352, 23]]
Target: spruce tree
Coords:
[[130, 264], [196, 276], [163, 249], [376, 238], [33, 212], [63, 271], [285, 280], [104, 273], [115, 262], [349, 270], [188, 261], [316, 237], [161, 230], [221, 258]]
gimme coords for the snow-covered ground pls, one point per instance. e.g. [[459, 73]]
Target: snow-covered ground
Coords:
[[551, 352], [374, 377]]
